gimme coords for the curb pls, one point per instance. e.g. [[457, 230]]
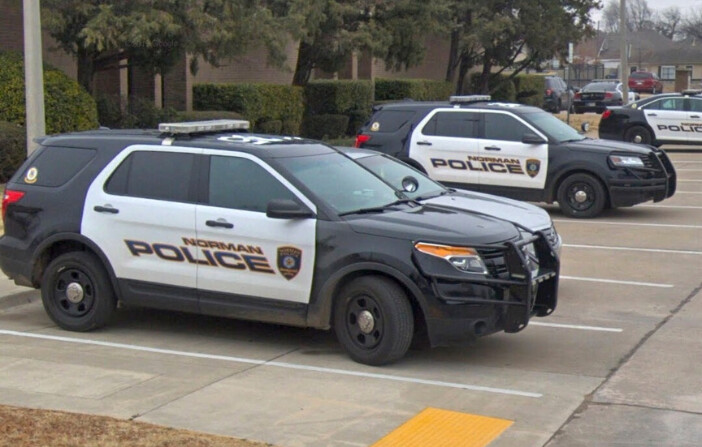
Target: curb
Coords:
[[19, 299]]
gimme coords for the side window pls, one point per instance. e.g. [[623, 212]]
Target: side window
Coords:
[[241, 184], [499, 126], [695, 105], [56, 165], [452, 124], [672, 104], [154, 175]]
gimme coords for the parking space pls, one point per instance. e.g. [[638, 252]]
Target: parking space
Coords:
[[627, 294]]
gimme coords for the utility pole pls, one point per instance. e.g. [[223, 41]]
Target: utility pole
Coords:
[[623, 52], [33, 74]]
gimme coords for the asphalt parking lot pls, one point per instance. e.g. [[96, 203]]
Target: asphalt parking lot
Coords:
[[616, 364]]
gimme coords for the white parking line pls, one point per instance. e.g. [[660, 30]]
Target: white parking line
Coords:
[[688, 192], [649, 250], [615, 281], [277, 364], [682, 207], [604, 222], [576, 326]]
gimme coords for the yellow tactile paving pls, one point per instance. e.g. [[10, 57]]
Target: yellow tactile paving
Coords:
[[442, 428]]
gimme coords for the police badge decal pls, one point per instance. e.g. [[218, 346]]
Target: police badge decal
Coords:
[[289, 261], [532, 167]]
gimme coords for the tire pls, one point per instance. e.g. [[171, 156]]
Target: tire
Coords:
[[582, 196], [577, 110], [385, 309], [77, 293], [638, 134]]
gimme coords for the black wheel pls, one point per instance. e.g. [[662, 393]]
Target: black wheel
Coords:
[[373, 320], [77, 293], [581, 195], [577, 110], [638, 134], [559, 107]]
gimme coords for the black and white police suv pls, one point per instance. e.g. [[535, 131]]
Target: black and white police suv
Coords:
[[200, 218], [670, 118], [519, 152]]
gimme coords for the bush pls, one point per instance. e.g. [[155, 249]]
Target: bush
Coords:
[[206, 115], [67, 106], [325, 126], [351, 98], [139, 113], [530, 89], [417, 89], [257, 103], [501, 89], [270, 127], [13, 141]]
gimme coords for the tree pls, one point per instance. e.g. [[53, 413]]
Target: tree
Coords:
[[639, 16], [668, 22], [153, 34], [500, 35], [692, 26]]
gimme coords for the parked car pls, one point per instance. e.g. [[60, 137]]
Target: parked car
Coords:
[[557, 95], [207, 218], [600, 94], [644, 81], [519, 152], [668, 118]]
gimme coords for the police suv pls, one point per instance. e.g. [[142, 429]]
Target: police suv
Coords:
[[204, 218], [670, 118], [519, 152]]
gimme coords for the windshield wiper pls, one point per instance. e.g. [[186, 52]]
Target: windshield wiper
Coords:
[[377, 209], [431, 196]]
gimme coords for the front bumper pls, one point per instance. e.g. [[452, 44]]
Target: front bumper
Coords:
[[656, 183], [467, 306]]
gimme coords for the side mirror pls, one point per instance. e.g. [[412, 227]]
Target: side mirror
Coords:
[[409, 184], [585, 127], [287, 209], [531, 138]]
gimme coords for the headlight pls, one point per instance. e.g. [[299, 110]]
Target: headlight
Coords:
[[622, 161], [464, 259]]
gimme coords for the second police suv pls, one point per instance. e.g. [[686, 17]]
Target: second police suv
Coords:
[[201, 218], [519, 152]]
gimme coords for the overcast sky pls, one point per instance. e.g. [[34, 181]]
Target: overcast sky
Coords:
[[659, 5]]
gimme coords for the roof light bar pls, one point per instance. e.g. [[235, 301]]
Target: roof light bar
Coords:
[[469, 98], [691, 91], [191, 127]]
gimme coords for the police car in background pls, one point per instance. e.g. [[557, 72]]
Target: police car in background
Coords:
[[670, 118], [198, 217], [519, 152]]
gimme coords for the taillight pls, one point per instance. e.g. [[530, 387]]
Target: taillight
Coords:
[[548, 92], [360, 139], [609, 94], [10, 197], [577, 95], [606, 114]]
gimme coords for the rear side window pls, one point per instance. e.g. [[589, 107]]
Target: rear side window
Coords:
[[54, 166], [452, 124], [672, 104], [390, 120], [154, 175]]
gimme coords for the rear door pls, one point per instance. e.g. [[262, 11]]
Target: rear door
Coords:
[[667, 117], [244, 252], [444, 143], [503, 160]]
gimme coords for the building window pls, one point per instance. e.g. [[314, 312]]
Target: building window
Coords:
[[668, 72]]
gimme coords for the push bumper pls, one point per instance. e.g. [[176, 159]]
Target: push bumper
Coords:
[[629, 192]]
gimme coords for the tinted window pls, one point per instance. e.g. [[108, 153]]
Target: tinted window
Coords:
[[390, 120], [56, 165], [452, 124], [499, 126], [696, 105], [241, 184], [673, 104], [600, 87], [640, 75], [154, 175]]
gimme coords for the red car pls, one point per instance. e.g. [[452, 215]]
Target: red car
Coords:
[[644, 81]]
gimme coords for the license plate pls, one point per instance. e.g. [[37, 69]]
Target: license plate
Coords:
[[590, 104]]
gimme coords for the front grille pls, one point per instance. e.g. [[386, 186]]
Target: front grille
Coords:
[[650, 162], [495, 262]]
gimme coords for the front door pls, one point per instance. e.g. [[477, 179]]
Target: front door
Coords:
[[667, 118]]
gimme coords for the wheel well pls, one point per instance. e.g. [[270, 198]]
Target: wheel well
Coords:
[[645, 126], [53, 251], [419, 318], [565, 175]]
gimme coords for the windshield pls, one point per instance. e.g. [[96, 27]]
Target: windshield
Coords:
[[553, 127], [393, 171], [600, 87], [340, 182]]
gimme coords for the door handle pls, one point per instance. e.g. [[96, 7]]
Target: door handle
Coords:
[[694, 116], [651, 114], [423, 143], [493, 148], [106, 209], [219, 223]]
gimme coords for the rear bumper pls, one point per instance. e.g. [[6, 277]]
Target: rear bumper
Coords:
[[594, 106], [14, 263]]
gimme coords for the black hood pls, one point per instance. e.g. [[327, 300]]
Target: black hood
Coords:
[[608, 146], [435, 224]]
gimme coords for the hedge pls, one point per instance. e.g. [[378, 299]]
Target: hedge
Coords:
[[505, 91], [416, 89], [325, 126], [351, 98], [530, 89], [13, 141], [257, 103], [68, 107]]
